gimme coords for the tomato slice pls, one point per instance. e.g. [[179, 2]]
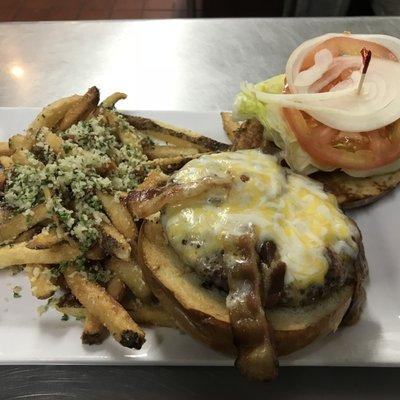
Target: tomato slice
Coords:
[[354, 151], [347, 150]]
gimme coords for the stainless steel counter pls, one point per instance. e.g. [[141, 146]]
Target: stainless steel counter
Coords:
[[177, 65]]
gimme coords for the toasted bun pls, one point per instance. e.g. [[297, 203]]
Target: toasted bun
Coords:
[[357, 192], [202, 312]]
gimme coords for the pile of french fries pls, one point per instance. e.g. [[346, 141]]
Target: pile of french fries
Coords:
[[123, 302]]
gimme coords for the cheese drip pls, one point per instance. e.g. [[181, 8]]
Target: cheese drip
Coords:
[[279, 205]]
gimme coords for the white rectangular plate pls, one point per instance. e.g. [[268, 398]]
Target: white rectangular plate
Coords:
[[374, 341]]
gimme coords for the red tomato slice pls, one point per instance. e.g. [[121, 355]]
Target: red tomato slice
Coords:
[[348, 150], [354, 151]]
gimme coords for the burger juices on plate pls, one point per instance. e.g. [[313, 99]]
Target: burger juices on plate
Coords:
[[249, 257], [322, 124]]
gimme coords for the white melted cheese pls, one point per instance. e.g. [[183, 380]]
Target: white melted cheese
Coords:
[[279, 205]]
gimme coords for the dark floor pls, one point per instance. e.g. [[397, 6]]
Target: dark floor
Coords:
[[53, 10]]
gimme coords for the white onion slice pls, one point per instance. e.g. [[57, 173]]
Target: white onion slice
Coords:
[[342, 108], [378, 104], [323, 60]]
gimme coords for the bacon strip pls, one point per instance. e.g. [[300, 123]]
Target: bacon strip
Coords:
[[252, 333], [143, 203]]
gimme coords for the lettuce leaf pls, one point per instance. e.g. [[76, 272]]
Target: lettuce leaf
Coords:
[[247, 106]]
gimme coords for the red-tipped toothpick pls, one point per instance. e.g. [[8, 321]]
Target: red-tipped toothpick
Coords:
[[366, 58]]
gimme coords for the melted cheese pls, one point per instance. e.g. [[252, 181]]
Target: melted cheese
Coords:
[[276, 203]]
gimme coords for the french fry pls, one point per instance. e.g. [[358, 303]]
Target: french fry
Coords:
[[53, 113], [20, 157], [72, 311], [19, 254], [4, 214], [40, 278], [119, 216], [94, 331], [174, 135], [5, 149], [131, 274], [154, 152], [155, 178], [7, 162], [106, 309], [14, 226], [21, 142], [96, 253], [109, 102], [54, 141], [149, 314], [171, 164], [45, 239], [114, 242], [27, 235], [230, 126], [3, 180], [80, 109], [116, 288]]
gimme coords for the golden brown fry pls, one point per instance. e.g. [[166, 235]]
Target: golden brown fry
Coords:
[[45, 239], [94, 332], [154, 179], [106, 309], [20, 157], [131, 274], [129, 137], [96, 253], [77, 312], [230, 126], [114, 242], [4, 214], [54, 141], [21, 142], [174, 135], [27, 235], [53, 113], [109, 102], [14, 226], [119, 216], [171, 164], [81, 109], [5, 149], [7, 162], [40, 277], [3, 179], [154, 152], [116, 288], [149, 314], [19, 254]]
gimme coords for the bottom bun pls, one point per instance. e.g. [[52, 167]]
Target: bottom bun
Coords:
[[354, 192], [202, 313]]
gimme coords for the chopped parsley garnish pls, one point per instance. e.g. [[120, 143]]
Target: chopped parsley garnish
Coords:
[[94, 157]]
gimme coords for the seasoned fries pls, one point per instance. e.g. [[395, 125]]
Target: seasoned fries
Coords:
[[5, 149], [105, 308], [119, 216], [16, 225], [131, 274], [65, 213], [19, 254], [114, 242], [40, 277]]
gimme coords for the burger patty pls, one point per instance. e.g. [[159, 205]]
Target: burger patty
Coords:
[[341, 271]]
